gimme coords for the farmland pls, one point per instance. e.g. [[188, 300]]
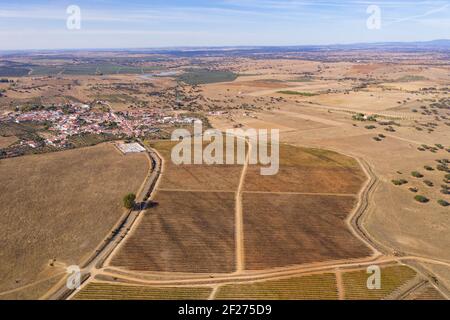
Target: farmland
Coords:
[[313, 287], [363, 177], [391, 279], [76, 200], [308, 228], [104, 291], [204, 76], [309, 171], [180, 222], [427, 292], [180, 234]]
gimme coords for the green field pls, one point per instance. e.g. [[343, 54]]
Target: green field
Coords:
[[297, 93], [204, 76], [105, 291], [79, 69], [313, 287], [355, 283]]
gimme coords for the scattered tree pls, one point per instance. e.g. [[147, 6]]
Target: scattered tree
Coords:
[[399, 182], [421, 199], [129, 201], [416, 174], [428, 183], [443, 203]]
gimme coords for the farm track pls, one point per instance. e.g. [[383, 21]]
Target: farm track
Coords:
[[240, 257], [381, 254], [96, 261]]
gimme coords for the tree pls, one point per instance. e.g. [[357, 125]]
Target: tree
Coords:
[[416, 174], [421, 199], [129, 201], [443, 203]]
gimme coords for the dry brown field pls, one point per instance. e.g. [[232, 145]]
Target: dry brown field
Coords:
[[7, 141], [289, 229], [184, 232], [309, 171], [60, 206]]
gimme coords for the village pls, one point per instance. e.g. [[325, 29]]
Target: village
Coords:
[[63, 122]]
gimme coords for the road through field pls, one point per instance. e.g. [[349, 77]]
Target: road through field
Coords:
[[380, 256], [97, 260], [118, 275], [240, 258]]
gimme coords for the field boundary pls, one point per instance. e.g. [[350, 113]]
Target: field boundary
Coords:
[[96, 261]]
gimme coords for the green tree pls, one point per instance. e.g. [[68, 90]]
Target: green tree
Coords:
[[421, 199], [129, 201]]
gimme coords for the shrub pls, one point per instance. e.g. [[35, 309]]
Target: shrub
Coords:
[[440, 146], [429, 183], [421, 199], [443, 203], [370, 127], [129, 201], [416, 174], [447, 176], [399, 182], [414, 190], [428, 168]]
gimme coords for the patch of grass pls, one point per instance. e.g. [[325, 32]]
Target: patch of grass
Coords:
[[297, 93], [411, 78]]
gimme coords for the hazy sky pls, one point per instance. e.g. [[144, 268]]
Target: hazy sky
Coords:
[[34, 24]]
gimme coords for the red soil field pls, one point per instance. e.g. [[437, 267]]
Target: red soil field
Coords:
[[282, 230], [306, 179], [185, 232]]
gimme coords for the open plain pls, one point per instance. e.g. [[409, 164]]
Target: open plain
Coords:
[[363, 179]]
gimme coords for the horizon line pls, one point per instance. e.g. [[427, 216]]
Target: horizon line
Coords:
[[164, 48]]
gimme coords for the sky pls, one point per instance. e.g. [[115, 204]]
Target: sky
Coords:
[[34, 24]]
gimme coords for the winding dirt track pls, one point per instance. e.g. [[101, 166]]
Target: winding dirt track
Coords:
[[381, 254], [98, 258]]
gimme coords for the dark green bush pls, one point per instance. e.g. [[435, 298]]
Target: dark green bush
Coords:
[[421, 199]]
